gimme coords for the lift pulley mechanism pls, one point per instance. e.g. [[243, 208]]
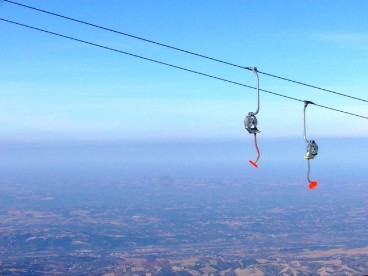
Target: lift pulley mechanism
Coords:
[[250, 121], [312, 150]]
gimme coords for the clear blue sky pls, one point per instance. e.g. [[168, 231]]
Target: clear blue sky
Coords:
[[53, 89]]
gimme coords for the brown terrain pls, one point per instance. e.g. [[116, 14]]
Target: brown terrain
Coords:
[[183, 227]]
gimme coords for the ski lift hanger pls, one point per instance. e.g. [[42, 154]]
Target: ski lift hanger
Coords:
[[312, 150], [250, 121]]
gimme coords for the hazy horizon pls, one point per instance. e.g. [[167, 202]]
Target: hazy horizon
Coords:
[[339, 158]]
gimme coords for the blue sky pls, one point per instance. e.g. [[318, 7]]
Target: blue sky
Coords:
[[53, 89]]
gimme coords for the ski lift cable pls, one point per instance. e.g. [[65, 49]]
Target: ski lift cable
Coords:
[[177, 67], [183, 50]]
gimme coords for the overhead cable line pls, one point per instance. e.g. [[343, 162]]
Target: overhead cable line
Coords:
[[173, 66], [184, 51]]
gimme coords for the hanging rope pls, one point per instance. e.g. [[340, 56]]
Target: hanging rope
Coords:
[[312, 184], [254, 163]]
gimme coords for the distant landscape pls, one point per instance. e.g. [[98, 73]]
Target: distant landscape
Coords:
[[181, 226], [178, 225]]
